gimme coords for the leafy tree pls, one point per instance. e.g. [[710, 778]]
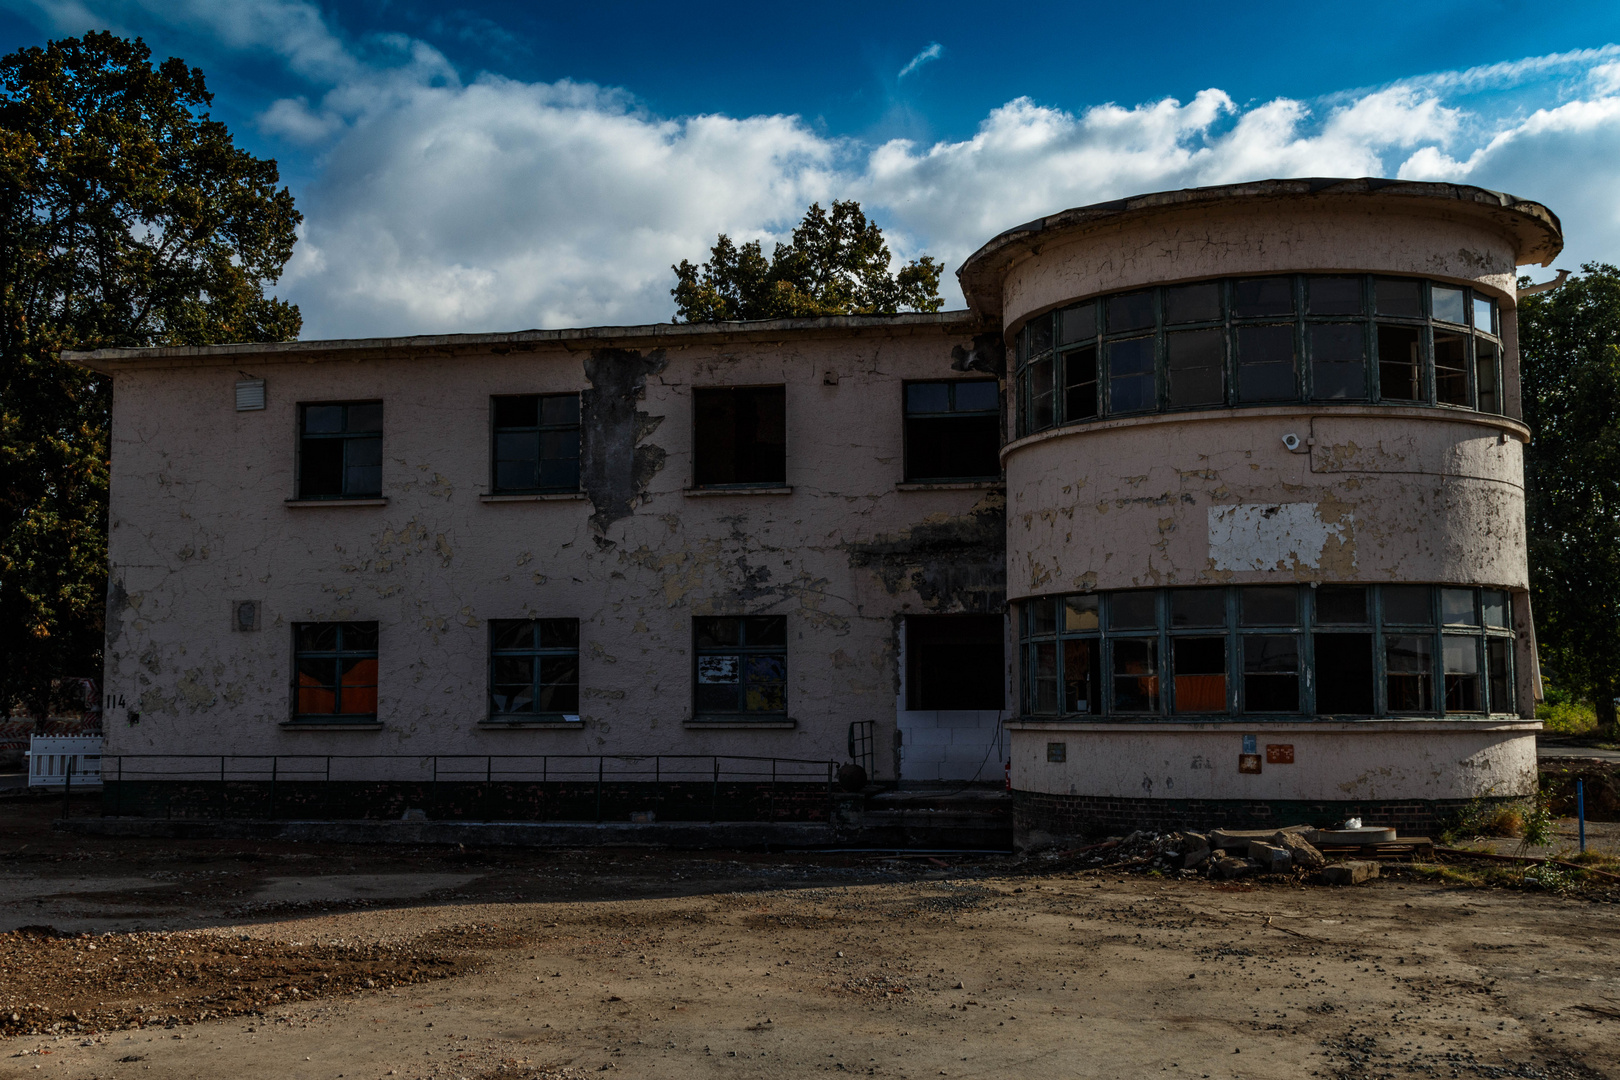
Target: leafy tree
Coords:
[[837, 264], [1569, 349], [127, 218]]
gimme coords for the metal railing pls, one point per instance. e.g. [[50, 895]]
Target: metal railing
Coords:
[[484, 787]]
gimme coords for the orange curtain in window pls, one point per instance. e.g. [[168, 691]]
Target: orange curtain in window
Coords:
[[360, 687], [1200, 693], [313, 697]]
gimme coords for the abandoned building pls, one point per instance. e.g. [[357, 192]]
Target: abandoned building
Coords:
[[1209, 509]]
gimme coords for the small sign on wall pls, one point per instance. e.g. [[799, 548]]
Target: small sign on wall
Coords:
[[1248, 763], [1279, 753]]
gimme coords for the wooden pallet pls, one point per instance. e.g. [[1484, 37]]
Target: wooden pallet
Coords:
[[1402, 847]]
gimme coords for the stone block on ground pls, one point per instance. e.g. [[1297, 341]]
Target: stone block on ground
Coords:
[[1272, 858], [1228, 867], [1302, 851], [1349, 873]]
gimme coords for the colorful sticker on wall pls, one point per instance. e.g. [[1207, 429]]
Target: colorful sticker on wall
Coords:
[[1279, 753], [1248, 763]]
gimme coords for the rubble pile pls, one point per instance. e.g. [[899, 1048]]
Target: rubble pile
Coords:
[[1220, 853]]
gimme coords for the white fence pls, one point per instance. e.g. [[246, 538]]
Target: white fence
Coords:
[[50, 757]]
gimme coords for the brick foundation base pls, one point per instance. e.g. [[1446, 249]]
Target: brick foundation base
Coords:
[[1040, 818]]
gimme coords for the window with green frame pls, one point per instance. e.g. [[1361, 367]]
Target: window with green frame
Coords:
[[1279, 650], [1260, 341]]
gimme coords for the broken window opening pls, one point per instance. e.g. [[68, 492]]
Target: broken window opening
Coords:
[[535, 445], [740, 665], [740, 436], [955, 662], [533, 668], [340, 450], [953, 430], [335, 672]]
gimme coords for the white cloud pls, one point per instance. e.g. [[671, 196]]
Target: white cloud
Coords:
[[933, 52], [443, 204]]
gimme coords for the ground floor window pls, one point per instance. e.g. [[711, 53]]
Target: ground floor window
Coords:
[[335, 671], [741, 665], [1267, 650], [533, 668], [955, 662]]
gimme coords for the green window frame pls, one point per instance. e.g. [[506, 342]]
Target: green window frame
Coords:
[[1342, 650], [334, 672], [534, 669], [952, 430], [534, 444], [1264, 340], [340, 450], [739, 666]]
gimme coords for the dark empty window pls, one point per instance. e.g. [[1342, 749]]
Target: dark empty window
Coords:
[[955, 662], [335, 671], [1400, 370], [1338, 361], [1196, 363], [953, 430], [740, 436], [340, 450], [1130, 376], [536, 445], [1080, 384], [741, 665], [533, 668], [1265, 356]]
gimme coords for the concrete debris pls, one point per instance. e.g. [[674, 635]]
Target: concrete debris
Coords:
[[1221, 853], [1349, 873], [1273, 858]]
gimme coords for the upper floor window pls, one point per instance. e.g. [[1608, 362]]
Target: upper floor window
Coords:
[[953, 430], [1260, 341], [536, 443], [533, 668], [340, 450], [741, 665], [335, 671], [739, 436], [1257, 650]]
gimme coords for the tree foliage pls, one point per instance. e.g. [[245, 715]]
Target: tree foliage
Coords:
[[127, 218], [836, 264], [1569, 350]]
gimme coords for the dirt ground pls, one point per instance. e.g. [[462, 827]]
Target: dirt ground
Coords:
[[161, 959]]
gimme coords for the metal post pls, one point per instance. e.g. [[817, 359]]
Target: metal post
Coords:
[[714, 794], [489, 792], [658, 784], [1580, 810], [326, 791], [545, 779], [274, 762], [599, 789], [120, 782], [773, 789], [67, 786], [433, 797]]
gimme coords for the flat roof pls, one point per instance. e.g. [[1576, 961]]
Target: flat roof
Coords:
[[649, 335], [1536, 230]]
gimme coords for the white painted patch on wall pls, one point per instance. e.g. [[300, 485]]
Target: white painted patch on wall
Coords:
[[1271, 536]]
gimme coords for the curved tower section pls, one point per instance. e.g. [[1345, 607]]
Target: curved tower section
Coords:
[[1265, 504]]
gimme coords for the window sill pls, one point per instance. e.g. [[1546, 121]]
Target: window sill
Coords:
[[952, 485], [303, 504], [330, 725], [712, 723], [540, 496], [709, 492], [524, 725]]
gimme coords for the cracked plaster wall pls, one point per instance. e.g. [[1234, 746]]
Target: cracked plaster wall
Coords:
[[199, 519]]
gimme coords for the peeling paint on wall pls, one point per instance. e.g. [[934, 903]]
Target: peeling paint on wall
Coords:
[[1278, 536], [955, 564], [615, 467]]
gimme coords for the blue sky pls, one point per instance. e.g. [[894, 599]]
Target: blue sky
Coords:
[[499, 165]]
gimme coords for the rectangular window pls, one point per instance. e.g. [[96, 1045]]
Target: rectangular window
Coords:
[[1133, 610], [1130, 376], [1457, 607], [1130, 311], [741, 665], [1484, 314], [1196, 360], [1449, 304], [1487, 376], [1082, 675], [536, 443], [1080, 384], [740, 436], [1461, 655], [1333, 296], [1042, 402], [1136, 675], [953, 430], [1450, 367], [1268, 605], [335, 667], [1262, 297], [1200, 671], [1043, 697], [1344, 674], [1270, 673], [1499, 669], [533, 667], [1197, 608], [1341, 605], [1408, 605], [340, 450], [1338, 361], [1400, 297], [955, 662], [1498, 611], [1409, 673], [1265, 363], [1078, 323], [1400, 369], [1192, 303]]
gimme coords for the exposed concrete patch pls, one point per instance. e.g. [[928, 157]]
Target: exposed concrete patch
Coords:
[[1275, 536], [954, 564], [615, 467]]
